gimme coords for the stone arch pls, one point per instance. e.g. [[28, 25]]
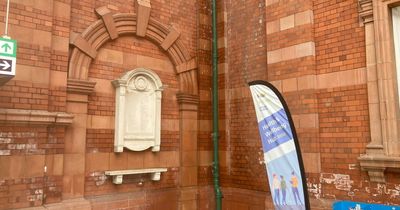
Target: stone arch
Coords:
[[110, 27]]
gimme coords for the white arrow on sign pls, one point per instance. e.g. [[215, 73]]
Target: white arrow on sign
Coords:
[[5, 65]]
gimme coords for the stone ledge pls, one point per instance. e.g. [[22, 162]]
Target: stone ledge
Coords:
[[376, 165], [71, 204], [34, 117], [118, 175]]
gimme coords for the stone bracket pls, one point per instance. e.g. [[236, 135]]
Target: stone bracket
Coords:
[[80, 86], [365, 10], [376, 165], [5, 78], [170, 39], [118, 175], [105, 14], [35, 117], [79, 42], [143, 8]]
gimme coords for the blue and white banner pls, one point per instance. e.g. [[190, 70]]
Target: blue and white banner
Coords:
[[282, 154]]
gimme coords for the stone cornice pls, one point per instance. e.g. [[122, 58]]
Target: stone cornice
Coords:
[[80, 86], [34, 117], [187, 98], [188, 102]]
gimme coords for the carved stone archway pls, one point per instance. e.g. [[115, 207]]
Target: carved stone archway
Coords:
[[85, 47], [110, 27]]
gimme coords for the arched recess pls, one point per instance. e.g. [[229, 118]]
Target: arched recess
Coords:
[[109, 27], [84, 50]]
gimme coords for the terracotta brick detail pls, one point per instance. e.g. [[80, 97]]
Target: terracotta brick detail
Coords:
[[184, 67], [83, 45], [170, 39], [108, 21]]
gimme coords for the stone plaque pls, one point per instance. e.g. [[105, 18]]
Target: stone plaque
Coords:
[[138, 111]]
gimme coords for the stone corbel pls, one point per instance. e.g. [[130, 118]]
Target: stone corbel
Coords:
[[365, 10]]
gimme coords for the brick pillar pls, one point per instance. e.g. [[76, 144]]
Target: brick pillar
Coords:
[[75, 139], [188, 106]]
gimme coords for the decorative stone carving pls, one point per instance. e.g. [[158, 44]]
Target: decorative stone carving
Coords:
[[365, 10], [138, 111]]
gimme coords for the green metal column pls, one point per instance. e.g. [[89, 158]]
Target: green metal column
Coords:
[[215, 136]]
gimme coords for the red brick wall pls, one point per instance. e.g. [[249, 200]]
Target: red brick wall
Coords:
[[247, 61], [26, 149], [43, 87], [339, 137], [339, 39], [342, 122]]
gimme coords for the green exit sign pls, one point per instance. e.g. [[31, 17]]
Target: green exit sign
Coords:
[[8, 47], [8, 56]]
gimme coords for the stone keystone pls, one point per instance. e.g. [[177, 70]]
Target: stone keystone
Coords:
[[143, 8]]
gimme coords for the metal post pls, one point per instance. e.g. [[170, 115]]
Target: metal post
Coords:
[[7, 12], [215, 136]]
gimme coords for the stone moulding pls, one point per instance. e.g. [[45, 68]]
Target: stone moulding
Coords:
[[80, 86], [188, 102], [34, 117], [118, 175]]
